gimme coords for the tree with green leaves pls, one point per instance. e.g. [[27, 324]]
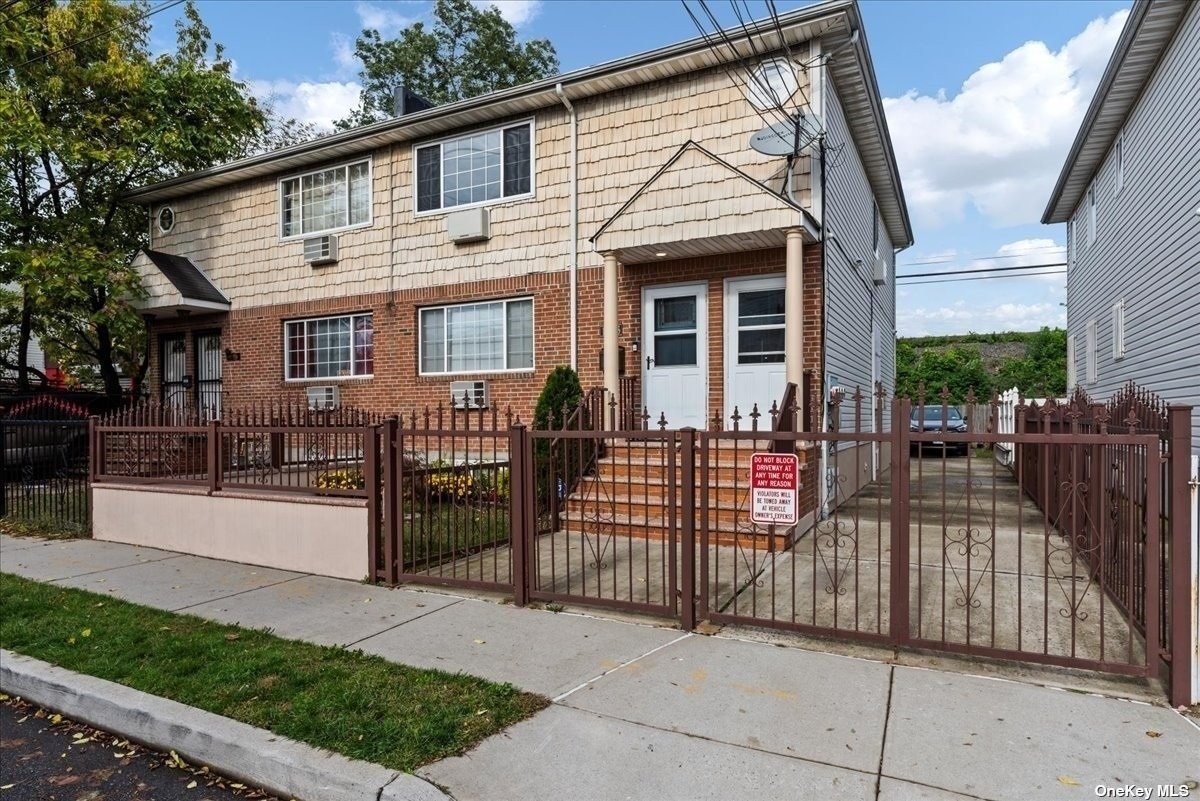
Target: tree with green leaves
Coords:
[[1042, 371], [465, 51], [959, 369], [87, 114]]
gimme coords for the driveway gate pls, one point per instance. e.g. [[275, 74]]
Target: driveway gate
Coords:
[[908, 533]]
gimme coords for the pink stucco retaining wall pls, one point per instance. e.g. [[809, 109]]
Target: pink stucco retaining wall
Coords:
[[326, 536]]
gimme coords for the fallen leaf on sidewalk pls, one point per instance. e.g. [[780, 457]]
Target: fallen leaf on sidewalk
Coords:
[[8, 787], [480, 642], [1153, 733], [1068, 781], [56, 718]]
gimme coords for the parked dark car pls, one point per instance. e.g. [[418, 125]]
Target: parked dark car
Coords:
[[935, 418]]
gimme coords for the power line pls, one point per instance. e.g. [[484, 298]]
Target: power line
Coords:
[[949, 259], [98, 34], [985, 270], [979, 278]]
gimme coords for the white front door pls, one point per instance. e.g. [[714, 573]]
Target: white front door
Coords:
[[754, 340], [675, 354]]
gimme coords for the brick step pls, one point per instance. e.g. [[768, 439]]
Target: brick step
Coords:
[[639, 528], [658, 488], [655, 452], [719, 513], [621, 470]]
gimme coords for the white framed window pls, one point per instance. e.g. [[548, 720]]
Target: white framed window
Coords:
[[1090, 353], [1071, 244], [1091, 214], [474, 169], [1072, 370], [1119, 157], [329, 347], [875, 226], [489, 337], [1118, 329], [326, 200]]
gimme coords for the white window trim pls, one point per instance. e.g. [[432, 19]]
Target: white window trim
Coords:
[[532, 193], [497, 371], [1118, 330], [1072, 244], [1091, 368], [329, 379], [1119, 154], [1072, 368], [1090, 205], [158, 219], [370, 161]]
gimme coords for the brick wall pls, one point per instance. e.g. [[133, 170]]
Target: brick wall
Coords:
[[254, 336]]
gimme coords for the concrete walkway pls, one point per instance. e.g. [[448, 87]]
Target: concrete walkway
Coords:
[[651, 713]]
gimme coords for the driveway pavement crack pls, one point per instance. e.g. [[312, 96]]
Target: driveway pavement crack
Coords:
[[887, 717], [239, 592], [403, 623], [107, 569], [680, 638]]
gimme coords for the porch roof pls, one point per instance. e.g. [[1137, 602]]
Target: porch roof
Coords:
[[175, 284], [698, 204]]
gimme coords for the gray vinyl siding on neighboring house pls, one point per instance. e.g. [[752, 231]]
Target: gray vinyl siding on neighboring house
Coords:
[[851, 289], [1146, 249]]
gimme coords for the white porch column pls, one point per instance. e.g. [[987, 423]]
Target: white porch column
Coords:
[[611, 363], [793, 307]]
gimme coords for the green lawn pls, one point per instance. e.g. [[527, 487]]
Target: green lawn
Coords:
[[362, 706]]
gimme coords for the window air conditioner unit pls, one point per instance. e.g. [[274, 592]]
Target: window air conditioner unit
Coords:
[[469, 225], [320, 250], [324, 398], [469, 394], [880, 273]]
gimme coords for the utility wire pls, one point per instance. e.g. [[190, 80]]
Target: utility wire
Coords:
[[985, 270], [979, 278], [949, 259], [98, 34]]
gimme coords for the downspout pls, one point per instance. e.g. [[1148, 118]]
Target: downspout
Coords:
[[574, 277], [824, 401]]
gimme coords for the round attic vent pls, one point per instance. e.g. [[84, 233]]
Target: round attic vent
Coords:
[[166, 219]]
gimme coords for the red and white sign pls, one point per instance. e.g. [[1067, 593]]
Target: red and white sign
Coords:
[[774, 487]]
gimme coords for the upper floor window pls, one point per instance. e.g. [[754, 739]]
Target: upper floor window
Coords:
[[1091, 214], [1089, 355], [477, 337], [875, 226], [1118, 329], [326, 200], [1119, 155], [1071, 243], [329, 347], [476, 168]]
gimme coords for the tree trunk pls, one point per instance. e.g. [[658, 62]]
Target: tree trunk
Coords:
[[104, 358]]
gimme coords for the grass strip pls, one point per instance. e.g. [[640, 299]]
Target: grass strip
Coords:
[[359, 705]]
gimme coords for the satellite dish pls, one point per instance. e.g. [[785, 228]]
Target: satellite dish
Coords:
[[781, 139]]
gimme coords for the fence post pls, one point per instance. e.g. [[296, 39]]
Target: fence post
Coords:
[[899, 623], [392, 450], [687, 476], [373, 488], [4, 468], [1180, 579], [520, 486], [214, 456]]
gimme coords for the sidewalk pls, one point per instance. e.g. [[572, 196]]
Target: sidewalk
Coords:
[[650, 713]]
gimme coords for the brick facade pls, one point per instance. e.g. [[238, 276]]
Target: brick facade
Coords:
[[252, 338]]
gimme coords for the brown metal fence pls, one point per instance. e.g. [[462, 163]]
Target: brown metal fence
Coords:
[[908, 530]]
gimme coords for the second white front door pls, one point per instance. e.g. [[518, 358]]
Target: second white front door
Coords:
[[675, 354], [755, 372]]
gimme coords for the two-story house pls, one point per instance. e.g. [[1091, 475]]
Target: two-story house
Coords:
[[1130, 196], [615, 218]]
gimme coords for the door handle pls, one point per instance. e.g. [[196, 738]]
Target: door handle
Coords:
[[649, 361]]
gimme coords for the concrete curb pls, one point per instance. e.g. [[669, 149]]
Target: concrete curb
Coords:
[[249, 754]]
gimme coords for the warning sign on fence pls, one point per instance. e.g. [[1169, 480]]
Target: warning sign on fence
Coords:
[[774, 487]]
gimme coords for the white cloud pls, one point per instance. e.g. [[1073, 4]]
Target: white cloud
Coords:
[[319, 103], [1000, 141], [343, 53], [964, 316], [517, 12], [388, 19]]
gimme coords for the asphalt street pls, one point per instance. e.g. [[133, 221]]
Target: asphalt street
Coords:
[[44, 757]]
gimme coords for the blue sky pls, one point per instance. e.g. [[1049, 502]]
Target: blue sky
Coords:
[[983, 100]]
